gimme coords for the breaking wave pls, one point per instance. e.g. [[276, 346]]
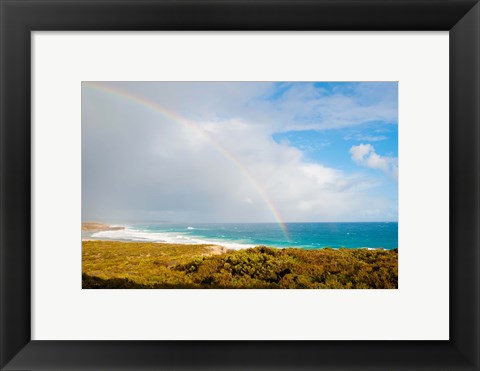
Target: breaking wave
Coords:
[[131, 234]]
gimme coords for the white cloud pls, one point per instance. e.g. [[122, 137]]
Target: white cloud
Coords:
[[372, 138], [365, 155], [366, 138], [140, 164], [304, 107]]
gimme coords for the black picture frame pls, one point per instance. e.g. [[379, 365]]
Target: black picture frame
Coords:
[[18, 18]]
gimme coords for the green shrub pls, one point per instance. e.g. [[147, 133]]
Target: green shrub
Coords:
[[109, 264]]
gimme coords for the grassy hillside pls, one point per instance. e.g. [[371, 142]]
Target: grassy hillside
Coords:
[[112, 264]]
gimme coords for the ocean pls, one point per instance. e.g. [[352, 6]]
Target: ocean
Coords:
[[243, 235]]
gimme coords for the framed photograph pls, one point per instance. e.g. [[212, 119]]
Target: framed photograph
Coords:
[[247, 201], [239, 185]]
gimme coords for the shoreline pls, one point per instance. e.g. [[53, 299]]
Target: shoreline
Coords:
[[224, 249], [216, 248], [99, 227], [89, 229]]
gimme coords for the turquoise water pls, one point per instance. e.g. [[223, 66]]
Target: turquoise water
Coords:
[[302, 235]]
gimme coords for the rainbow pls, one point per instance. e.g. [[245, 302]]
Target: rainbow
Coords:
[[186, 123]]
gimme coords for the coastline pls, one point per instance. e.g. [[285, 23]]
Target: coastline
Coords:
[[98, 227], [89, 229], [95, 227], [94, 231]]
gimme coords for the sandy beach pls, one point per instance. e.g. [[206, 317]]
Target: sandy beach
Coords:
[[94, 227]]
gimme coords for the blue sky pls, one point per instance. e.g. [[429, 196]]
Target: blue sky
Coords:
[[240, 152], [330, 147]]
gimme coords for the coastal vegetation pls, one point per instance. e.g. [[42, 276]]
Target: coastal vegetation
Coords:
[[124, 265]]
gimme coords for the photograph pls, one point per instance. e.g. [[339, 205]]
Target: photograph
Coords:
[[232, 162], [239, 185]]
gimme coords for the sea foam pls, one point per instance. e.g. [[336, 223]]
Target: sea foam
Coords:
[[137, 235]]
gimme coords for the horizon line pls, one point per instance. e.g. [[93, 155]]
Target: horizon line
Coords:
[[192, 222]]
